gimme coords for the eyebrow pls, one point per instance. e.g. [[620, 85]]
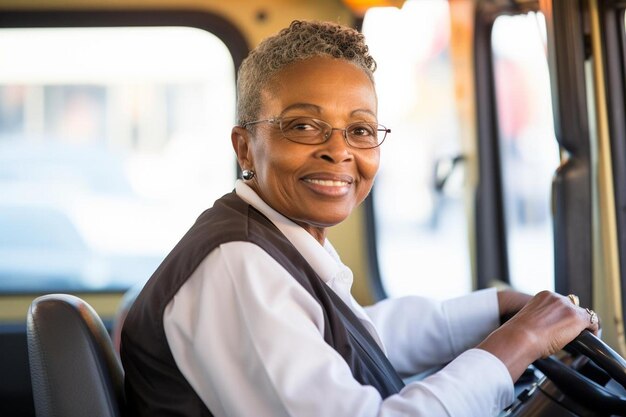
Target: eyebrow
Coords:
[[317, 109], [371, 113], [302, 106]]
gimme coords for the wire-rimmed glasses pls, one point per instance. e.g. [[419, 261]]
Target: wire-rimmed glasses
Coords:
[[310, 131]]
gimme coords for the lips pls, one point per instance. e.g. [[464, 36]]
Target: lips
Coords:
[[330, 185], [327, 183], [329, 180]]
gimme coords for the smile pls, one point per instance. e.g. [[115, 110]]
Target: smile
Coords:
[[327, 183]]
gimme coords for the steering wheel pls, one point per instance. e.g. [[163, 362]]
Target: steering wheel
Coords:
[[579, 387]]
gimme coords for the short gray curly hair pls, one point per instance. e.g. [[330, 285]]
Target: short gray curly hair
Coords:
[[300, 41]]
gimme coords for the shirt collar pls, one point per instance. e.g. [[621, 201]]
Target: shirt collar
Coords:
[[324, 259]]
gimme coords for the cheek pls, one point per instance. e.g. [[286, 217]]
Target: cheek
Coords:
[[368, 168], [281, 166], [286, 159], [279, 169], [369, 165], [267, 159]]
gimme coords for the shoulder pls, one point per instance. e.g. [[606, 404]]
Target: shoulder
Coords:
[[232, 278], [236, 263]]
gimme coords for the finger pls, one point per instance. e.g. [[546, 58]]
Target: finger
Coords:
[[574, 299], [590, 317], [594, 321]]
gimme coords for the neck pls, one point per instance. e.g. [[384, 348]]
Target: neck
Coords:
[[319, 233]]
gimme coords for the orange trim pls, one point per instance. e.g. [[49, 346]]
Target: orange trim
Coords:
[[359, 7]]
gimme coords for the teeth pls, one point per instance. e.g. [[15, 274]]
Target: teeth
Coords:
[[327, 183]]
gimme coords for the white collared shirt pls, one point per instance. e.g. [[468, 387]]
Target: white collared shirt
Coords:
[[249, 339]]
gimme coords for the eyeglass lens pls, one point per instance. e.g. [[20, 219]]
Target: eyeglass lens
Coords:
[[312, 131]]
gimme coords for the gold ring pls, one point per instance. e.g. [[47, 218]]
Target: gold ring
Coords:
[[574, 299], [593, 317]]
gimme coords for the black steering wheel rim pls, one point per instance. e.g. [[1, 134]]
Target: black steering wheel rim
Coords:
[[582, 389]]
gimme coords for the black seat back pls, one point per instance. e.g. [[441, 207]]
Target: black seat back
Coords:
[[74, 369]]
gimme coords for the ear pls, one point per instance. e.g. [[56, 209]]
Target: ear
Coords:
[[240, 139]]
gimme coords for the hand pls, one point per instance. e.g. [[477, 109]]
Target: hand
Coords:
[[541, 328], [510, 302]]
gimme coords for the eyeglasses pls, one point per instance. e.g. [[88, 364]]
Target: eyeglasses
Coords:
[[309, 131]]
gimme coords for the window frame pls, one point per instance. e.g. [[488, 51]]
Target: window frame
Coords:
[[566, 58], [613, 15], [492, 259], [572, 185], [200, 19], [490, 236], [98, 18], [491, 242], [573, 248], [374, 278], [373, 266]]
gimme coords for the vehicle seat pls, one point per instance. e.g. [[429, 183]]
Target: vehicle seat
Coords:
[[73, 366]]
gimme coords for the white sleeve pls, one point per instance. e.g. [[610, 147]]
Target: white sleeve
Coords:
[[249, 339], [420, 333]]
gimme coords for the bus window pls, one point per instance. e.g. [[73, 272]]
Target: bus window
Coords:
[[421, 233], [112, 141], [528, 148]]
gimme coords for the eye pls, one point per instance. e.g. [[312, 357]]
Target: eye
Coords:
[[362, 130], [300, 125]]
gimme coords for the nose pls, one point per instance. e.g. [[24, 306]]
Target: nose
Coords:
[[336, 148]]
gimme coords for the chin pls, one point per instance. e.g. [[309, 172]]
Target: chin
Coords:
[[324, 216], [328, 220]]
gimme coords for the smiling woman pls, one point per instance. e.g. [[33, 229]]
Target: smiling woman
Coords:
[[117, 126], [255, 303], [315, 186]]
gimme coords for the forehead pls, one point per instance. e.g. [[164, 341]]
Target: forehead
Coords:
[[330, 84]]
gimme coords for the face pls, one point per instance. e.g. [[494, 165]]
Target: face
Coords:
[[316, 186]]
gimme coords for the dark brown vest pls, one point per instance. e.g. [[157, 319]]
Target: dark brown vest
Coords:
[[154, 384]]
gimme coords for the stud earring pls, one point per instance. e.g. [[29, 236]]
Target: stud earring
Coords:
[[247, 174]]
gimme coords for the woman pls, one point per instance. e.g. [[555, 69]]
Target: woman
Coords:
[[251, 313]]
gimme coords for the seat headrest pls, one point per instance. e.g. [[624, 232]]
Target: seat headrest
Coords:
[[74, 369]]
